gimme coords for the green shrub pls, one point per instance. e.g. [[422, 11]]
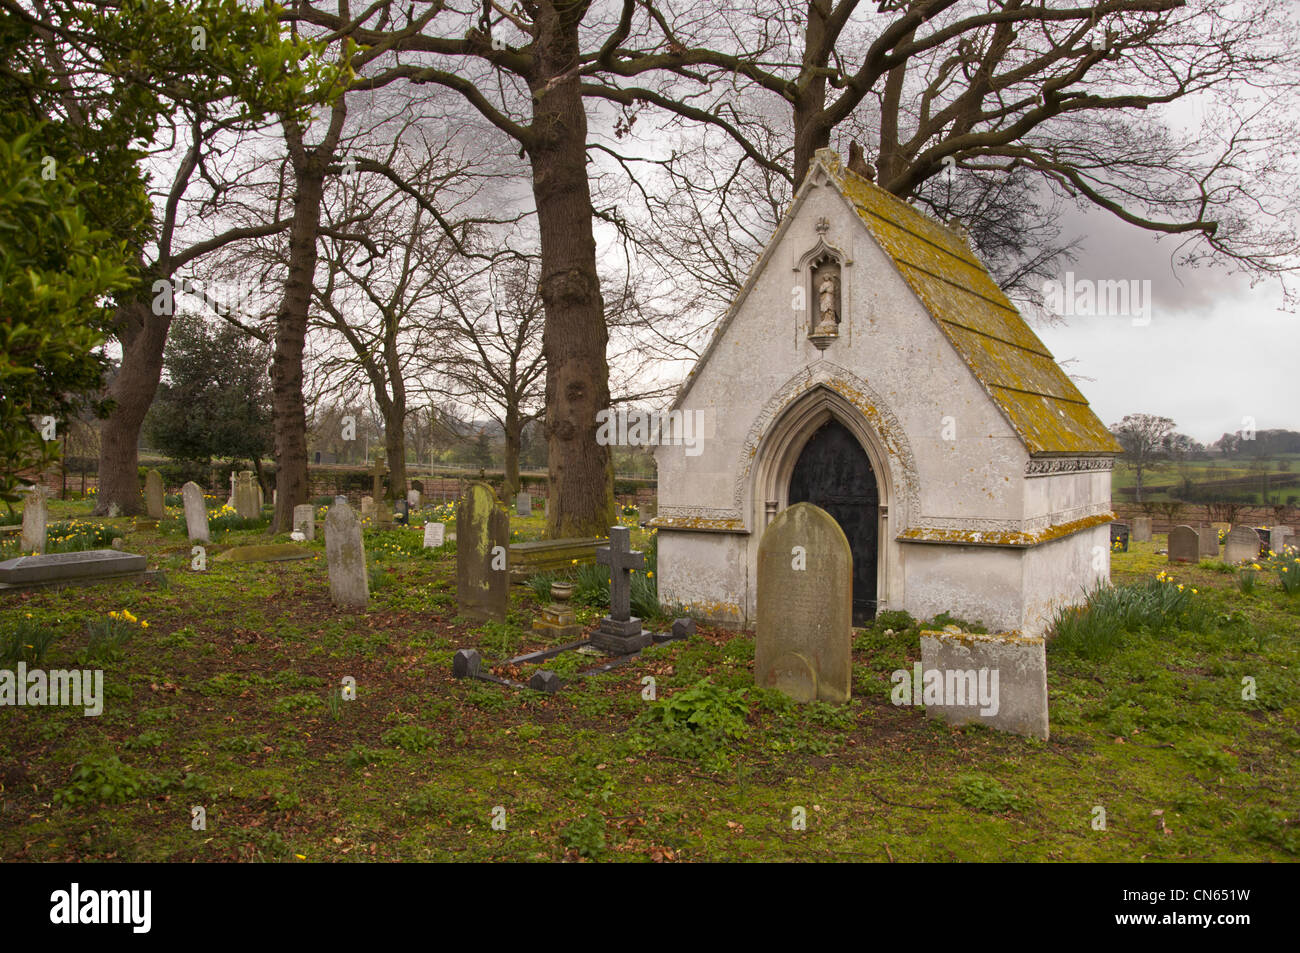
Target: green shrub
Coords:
[[586, 835], [410, 738], [1246, 579], [25, 641], [106, 780], [703, 708], [982, 793]]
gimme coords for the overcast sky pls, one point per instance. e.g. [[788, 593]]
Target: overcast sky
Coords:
[[1215, 350]]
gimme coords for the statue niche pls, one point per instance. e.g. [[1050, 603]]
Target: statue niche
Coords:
[[824, 322]]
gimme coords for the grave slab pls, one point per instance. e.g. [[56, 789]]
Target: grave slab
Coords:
[[1019, 704]]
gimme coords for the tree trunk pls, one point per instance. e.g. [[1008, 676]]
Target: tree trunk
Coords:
[[143, 335], [581, 478], [395, 449], [811, 130], [514, 438], [290, 336]]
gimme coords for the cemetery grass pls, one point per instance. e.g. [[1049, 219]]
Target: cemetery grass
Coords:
[[230, 699]]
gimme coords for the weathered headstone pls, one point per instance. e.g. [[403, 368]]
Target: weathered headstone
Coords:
[[377, 480], [304, 521], [1142, 529], [803, 643], [620, 632], [482, 556], [247, 505], [72, 569], [523, 504], [346, 555], [153, 495], [1209, 537], [434, 535], [998, 680], [1119, 534], [413, 499], [1184, 545], [367, 507], [196, 513], [340, 498], [1242, 545], [1278, 537], [36, 514]]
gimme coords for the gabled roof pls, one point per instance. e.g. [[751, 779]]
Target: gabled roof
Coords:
[[1014, 367]]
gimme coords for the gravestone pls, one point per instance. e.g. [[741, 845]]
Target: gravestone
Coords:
[[377, 480], [523, 504], [73, 569], [196, 513], [367, 507], [482, 556], [1119, 533], [304, 521], [1277, 539], [1142, 529], [1264, 537], [1242, 545], [36, 513], [340, 498], [620, 632], [383, 515], [346, 555], [402, 513], [153, 495], [434, 535], [1209, 537], [804, 637], [247, 505], [1184, 545], [1007, 669], [558, 623], [230, 501]]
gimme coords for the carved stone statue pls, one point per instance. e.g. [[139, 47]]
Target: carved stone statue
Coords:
[[828, 317]]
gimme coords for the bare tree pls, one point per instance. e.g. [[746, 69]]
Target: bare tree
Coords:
[[1144, 439]]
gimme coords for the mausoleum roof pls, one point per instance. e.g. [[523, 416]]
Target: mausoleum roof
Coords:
[[1005, 355], [1013, 366]]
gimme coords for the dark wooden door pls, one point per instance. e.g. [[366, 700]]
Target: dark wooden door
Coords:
[[834, 473]]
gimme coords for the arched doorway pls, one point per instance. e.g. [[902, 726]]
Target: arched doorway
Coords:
[[834, 473]]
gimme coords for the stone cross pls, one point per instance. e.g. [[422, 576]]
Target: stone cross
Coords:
[[196, 514], [621, 560], [153, 495]]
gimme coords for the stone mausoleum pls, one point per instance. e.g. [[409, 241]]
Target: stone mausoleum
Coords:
[[872, 366]]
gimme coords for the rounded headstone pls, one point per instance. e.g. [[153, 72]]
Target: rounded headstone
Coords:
[[805, 605]]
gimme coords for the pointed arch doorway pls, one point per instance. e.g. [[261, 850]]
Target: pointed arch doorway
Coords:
[[835, 473]]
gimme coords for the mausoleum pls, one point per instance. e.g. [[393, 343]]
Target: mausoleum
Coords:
[[872, 366]]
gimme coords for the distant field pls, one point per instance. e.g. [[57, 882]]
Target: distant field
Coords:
[[1235, 478]]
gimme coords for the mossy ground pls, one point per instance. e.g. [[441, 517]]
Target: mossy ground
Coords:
[[230, 700]]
